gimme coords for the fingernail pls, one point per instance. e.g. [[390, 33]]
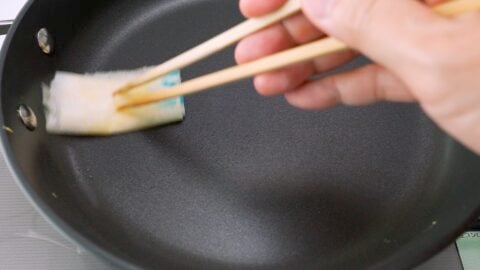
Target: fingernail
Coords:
[[318, 10]]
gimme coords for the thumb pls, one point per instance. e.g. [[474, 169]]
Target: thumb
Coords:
[[390, 32]]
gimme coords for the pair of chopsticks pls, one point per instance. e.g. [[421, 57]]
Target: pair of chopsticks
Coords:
[[127, 96]]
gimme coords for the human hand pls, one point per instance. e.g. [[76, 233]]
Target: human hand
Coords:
[[420, 55]]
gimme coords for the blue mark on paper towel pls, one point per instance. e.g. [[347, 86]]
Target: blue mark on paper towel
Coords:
[[166, 81], [170, 80]]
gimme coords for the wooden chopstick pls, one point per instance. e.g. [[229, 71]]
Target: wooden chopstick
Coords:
[[296, 55], [215, 44], [273, 62]]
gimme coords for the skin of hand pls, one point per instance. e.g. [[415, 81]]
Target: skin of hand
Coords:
[[420, 57]]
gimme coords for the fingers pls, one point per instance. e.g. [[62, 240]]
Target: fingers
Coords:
[[366, 85], [301, 30], [266, 42], [389, 32], [281, 81], [255, 8], [334, 60], [294, 30], [284, 80]]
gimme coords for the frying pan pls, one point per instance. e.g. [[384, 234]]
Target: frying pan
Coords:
[[244, 182]]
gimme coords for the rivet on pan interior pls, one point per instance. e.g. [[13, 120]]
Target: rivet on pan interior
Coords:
[[45, 41], [27, 116]]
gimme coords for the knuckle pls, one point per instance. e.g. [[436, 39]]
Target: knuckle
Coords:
[[434, 64], [432, 84], [352, 21], [432, 88], [355, 17], [442, 56], [438, 50]]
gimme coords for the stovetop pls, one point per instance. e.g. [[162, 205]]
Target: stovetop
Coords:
[[27, 241]]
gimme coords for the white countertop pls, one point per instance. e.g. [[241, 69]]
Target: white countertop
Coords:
[[10, 8]]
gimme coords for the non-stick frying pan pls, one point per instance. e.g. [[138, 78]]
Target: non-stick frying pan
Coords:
[[244, 182]]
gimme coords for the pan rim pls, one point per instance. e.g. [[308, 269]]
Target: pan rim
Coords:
[[42, 208], [402, 259]]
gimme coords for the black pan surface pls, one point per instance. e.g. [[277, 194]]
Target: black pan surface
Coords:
[[245, 182]]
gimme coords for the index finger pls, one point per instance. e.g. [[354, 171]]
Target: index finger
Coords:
[[255, 8]]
